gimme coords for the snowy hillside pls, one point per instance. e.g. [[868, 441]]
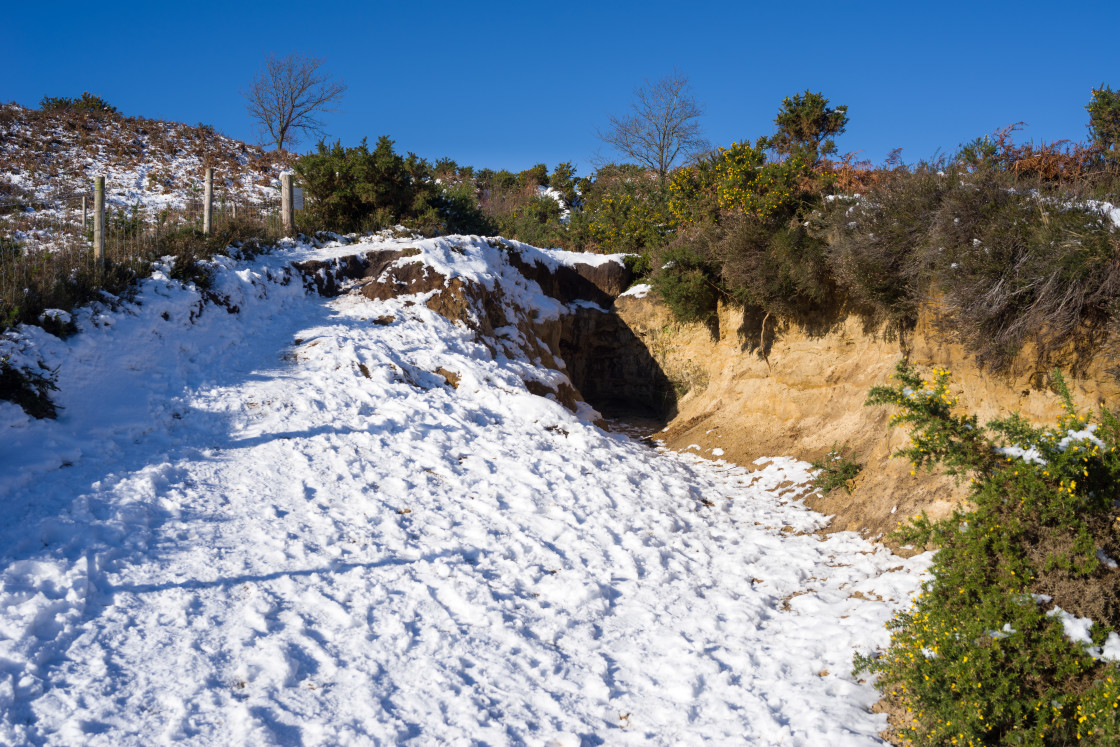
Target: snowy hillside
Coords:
[[49, 159], [51, 153], [291, 519]]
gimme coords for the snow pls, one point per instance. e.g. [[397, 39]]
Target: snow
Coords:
[[1073, 437], [1112, 212], [1077, 629], [1107, 561], [641, 290], [1031, 455], [555, 194], [278, 526]]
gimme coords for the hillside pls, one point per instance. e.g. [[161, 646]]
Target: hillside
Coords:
[[49, 158], [270, 516]]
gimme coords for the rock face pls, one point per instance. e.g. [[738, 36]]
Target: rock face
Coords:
[[599, 283], [807, 395], [613, 368], [327, 278]]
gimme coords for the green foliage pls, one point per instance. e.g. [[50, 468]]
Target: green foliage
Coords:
[[977, 660], [835, 470], [564, 181], [782, 270], [354, 189], [458, 204], [639, 265], [881, 247], [749, 215], [628, 210], [28, 388], [1104, 121], [938, 436], [688, 284], [806, 127], [513, 206], [1016, 268], [1009, 266], [980, 154], [536, 176], [535, 221], [87, 103], [693, 196], [746, 182], [496, 180], [122, 221]]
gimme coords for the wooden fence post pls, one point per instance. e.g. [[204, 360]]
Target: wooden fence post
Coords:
[[85, 215], [208, 205], [286, 213], [99, 219]]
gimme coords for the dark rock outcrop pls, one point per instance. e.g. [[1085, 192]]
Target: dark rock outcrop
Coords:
[[327, 277], [612, 367], [600, 284]]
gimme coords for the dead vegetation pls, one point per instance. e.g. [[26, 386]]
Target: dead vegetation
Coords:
[[154, 173]]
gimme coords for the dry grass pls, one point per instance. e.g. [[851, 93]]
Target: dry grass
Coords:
[[153, 191]]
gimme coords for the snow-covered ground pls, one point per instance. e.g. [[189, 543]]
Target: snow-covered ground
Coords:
[[150, 163], [278, 526]]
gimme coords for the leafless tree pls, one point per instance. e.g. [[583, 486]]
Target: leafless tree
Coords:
[[287, 96], [662, 128]]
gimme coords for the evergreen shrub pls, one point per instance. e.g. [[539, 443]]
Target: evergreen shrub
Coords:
[[982, 657]]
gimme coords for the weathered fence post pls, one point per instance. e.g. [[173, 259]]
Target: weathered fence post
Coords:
[[208, 205], [287, 215], [99, 219], [85, 215]]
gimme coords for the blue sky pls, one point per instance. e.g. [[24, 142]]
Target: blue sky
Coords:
[[511, 84]]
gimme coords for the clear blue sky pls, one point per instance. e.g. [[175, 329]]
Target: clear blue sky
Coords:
[[510, 84]]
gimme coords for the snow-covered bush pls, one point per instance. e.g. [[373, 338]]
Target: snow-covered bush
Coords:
[[29, 387]]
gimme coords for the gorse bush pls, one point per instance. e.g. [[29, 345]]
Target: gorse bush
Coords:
[[880, 245], [807, 126], [1019, 267], [1104, 122], [983, 657], [746, 218], [1001, 241], [87, 102], [353, 189], [781, 270], [688, 284]]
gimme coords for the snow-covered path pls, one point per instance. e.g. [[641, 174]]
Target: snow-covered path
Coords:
[[279, 527]]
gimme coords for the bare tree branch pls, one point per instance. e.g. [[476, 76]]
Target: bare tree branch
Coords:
[[287, 95], [663, 127]]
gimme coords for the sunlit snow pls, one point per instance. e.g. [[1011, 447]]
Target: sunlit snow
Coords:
[[278, 526]]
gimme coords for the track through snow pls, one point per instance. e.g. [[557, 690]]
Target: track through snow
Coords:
[[277, 527]]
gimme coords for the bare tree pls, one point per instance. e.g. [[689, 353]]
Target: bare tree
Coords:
[[663, 127], [287, 96]]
